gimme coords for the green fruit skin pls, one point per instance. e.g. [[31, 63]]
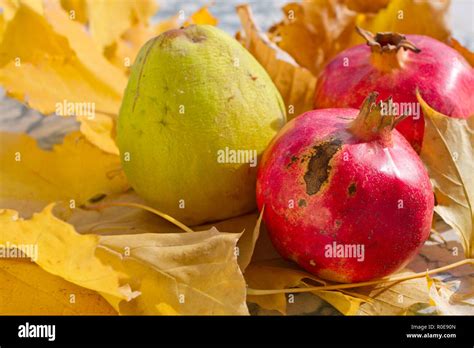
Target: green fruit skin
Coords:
[[191, 93]]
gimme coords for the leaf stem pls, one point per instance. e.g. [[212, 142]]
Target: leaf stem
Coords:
[[357, 285], [144, 207]]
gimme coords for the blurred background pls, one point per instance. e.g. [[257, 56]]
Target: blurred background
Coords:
[[268, 12]]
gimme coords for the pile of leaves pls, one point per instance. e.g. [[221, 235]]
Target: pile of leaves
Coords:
[[101, 250]]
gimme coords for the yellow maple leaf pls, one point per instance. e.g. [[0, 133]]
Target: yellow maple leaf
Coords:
[[74, 170], [76, 9], [201, 16], [148, 273], [59, 250], [448, 153], [108, 21], [48, 61], [9, 7], [26, 289]]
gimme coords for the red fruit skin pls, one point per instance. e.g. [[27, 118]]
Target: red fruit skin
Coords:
[[444, 78], [368, 215]]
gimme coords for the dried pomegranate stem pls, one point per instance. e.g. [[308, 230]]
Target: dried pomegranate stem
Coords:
[[144, 207], [387, 280], [386, 49], [387, 41], [371, 123]]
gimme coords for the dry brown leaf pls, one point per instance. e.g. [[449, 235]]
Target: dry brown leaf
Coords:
[[314, 31], [273, 274], [295, 83], [278, 274], [180, 273], [443, 298], [108, 218], [395, 299], [448, 153], [366, 6], [408, 17], [249, 226], [270, 272], [380, 299]]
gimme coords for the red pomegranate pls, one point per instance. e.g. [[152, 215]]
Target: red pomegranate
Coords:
[[345, 195], [395, 65]]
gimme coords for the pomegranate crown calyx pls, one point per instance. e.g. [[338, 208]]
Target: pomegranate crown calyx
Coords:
[[387, 41], [373, 122]]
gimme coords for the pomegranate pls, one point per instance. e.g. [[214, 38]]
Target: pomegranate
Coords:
[[345, 195], [395, 65]]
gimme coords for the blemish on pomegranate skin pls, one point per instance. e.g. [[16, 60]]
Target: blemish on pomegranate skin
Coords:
[[293, 159], [301, 203], [352, 189], [318, 165]]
